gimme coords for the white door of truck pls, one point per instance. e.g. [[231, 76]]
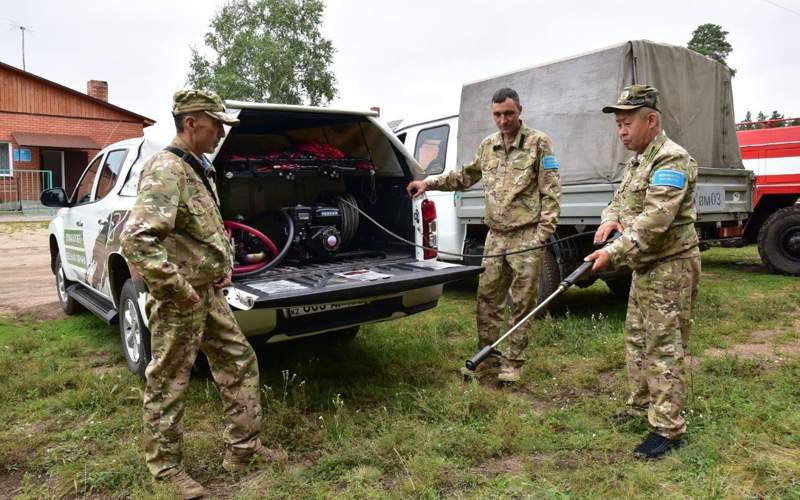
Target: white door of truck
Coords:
[[76, 223], [97, 218], [434, 147]]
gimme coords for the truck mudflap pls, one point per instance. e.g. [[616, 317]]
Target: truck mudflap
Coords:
[[351, 280]]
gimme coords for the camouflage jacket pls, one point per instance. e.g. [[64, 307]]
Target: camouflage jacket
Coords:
[[521, 185], [655, 206], [174, 236]]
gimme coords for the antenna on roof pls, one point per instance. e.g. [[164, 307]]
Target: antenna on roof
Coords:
[[22, 30]]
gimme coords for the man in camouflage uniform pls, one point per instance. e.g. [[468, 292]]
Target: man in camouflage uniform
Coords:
[[654, 210], [522, 192], [176, 240]]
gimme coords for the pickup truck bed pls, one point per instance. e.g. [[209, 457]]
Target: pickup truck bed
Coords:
[[347, 280], [286, 177]]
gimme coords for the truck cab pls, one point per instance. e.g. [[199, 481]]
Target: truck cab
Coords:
[[433, 144], [771, 150]]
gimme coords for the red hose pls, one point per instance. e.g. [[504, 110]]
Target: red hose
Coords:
[[231, 225]]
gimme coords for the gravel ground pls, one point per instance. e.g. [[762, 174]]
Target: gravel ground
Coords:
[[27, 285]]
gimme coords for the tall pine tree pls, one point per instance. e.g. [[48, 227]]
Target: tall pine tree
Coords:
[[711, 40]]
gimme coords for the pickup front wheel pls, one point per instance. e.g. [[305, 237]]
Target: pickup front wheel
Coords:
[[779, 241], [132, 330]]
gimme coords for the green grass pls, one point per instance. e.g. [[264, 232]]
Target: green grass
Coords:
[[387, 415]]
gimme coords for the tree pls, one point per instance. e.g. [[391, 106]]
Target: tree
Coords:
[[710, 40], [764, 121], [761, 117], [775, 116], [267, 50], [747, 123]]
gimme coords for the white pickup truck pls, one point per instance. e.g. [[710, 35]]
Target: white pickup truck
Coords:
[[293, 174]]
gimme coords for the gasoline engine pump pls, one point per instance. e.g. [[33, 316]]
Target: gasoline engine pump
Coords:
[[309, 233]]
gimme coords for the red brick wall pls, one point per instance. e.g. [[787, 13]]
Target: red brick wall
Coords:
[[103, 132]]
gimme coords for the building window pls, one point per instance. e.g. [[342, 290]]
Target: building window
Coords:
[[22, 155], [6, 165]]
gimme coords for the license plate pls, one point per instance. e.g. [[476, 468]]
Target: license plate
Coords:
[[319, 308], [709, 199]]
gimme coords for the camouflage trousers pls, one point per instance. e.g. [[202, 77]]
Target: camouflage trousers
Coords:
[[177, 333], [656, 335], [518, 274]]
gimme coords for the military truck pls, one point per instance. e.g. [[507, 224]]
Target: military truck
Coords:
[[564, 99]]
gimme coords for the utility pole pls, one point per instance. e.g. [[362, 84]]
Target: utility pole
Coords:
[[22, 30]]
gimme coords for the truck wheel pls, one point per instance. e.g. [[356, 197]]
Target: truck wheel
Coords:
[[69, 305], [779, 241], [132, 330], [620, 287], [549, 280]]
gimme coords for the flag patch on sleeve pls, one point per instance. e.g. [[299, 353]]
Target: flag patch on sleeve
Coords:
[[669, 178], [550, 162]]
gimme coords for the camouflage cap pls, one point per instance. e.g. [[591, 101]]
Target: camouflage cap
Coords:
[[188, 101], [635, 96]]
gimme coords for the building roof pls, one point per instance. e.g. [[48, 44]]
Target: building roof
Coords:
[[145, 120], [55, 140]]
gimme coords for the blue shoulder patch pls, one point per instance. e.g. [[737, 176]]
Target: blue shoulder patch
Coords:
[[550, 162], [669, 178]]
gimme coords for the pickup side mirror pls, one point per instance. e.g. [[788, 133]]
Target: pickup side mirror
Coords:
[[54, 197]]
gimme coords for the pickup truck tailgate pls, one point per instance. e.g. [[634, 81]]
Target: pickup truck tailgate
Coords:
[[353, 279]]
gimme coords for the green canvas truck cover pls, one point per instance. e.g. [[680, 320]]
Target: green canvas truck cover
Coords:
[[564, 99]]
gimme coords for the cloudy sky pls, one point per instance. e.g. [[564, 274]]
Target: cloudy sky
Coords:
[[410, 58]]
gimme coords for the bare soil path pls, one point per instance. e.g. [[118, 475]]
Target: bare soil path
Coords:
[[765, 344], [27, 285]]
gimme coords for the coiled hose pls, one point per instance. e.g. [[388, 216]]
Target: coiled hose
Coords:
[[249, 270]]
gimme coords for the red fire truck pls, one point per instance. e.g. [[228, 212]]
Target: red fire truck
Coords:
[[773, 154]]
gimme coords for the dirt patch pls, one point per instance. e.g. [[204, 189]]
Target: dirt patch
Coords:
[[539, 405], [218, 489], [101, 363], [561, 460], [764, 344], [749, 267], [27, 285], [44, 312], [693, 362], [502, 465], [607, 378], [10, 484]]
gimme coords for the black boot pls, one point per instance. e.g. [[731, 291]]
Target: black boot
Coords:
[[656, 446]]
